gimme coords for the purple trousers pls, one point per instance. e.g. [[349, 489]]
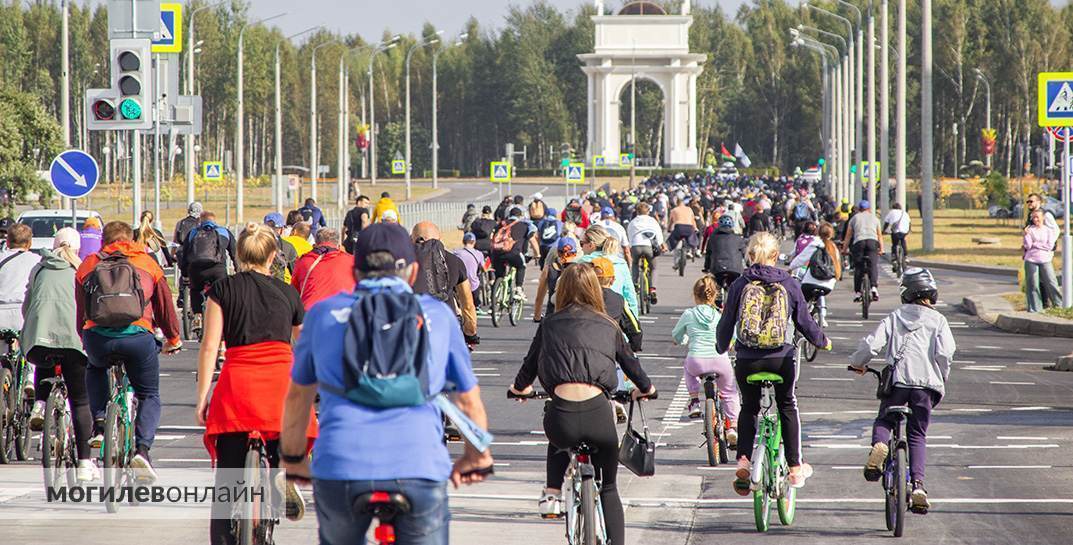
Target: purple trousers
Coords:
[[921, 402]]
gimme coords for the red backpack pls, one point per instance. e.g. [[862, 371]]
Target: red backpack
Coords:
[[503, 241]]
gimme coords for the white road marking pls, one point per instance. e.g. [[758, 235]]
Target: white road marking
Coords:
[[983, 368], [1035, 350], [988, 347], [954, 446], [165, 437], [488, 352], [811, 436], [1031, 408], [165, 374], [1012, 383], [839, 338], [184, 460], [1008, 467], [521, 443], [724, 468], [1035, 363], [663, 358], [486, 374], [691, 502], [816, 413], [181, 428], [830, 379], [1020, 438], [664, 376]]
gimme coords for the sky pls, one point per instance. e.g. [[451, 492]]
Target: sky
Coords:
[[371, 17]]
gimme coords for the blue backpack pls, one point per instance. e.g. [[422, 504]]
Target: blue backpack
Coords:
[[385, 352]]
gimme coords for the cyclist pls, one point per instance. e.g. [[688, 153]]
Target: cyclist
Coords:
[[819, 273], [16, 263], [597, 242], [575, 353], [565, 254], [313, 214], [408, 455], [383, 205], [921, 348], [696, 327], [725, 254], [474, 261], [286, 255], [188, 223], [615, 305], [257, 316], [204, 259], [682, 224], [483, 229], [508, 248], [322, 272], [759, 308], [646, 239], [299, 239], [90, 236], [615, 229], [549, 229], [898, 224], [357, 218], [5, 225], [49, 334], [575, 213], [443, 275], [864, 242], [134, 343], [154, 242]]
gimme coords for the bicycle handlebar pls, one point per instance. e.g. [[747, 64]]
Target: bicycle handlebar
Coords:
[[866, 370], [532, 395], [622, 396]]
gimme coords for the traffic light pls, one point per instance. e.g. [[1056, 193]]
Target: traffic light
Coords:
[[127, 103], [820, 162]]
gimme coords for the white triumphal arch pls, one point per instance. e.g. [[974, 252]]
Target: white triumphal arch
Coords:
[[644, 42]]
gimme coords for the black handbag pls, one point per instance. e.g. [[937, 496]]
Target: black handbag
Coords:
[[886, 374], [637, 451]]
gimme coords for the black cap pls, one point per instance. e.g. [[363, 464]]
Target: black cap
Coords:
[[6, 223], [384, 237]]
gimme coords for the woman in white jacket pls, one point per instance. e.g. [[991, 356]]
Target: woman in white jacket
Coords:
[[815, 289]]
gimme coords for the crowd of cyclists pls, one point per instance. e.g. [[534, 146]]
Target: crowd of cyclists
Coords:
[[101, 296]]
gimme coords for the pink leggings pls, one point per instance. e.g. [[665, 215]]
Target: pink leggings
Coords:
[[696, 367]]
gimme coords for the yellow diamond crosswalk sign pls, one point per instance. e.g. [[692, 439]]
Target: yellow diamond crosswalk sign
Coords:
[[212, 171], [500, 171]]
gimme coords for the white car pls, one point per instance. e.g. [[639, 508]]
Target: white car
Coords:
[[812, 175], [45, 223]]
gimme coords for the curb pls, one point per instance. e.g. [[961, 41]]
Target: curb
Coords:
[[998, 312], [1064, 363], [1009, 272]]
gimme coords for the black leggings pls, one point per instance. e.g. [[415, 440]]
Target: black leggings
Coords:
[[231, 453], [514, 259], [200, 280], [859, 251], [784, 399], [568, 423], [73, 366]]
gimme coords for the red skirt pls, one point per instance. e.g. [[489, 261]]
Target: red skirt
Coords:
[[250, 392]]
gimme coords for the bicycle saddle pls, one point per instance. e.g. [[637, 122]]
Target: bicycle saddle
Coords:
[[584, 448], [382, 505], [756, 378], [899, 409]]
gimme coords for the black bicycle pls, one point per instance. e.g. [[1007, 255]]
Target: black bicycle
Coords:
[[897, 260], [58, 455], [254, 521], [16, 403], [716, 444]]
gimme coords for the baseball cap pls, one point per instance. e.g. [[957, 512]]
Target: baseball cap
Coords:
[[538, 196], [384, 237], [274, 219], [469, 237], [604, 267], [607, 212], [389, 216], [863, 205], [566, 245], [67, 237]]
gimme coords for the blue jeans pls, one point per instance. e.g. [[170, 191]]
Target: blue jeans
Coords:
[[140, 353], [1040, 283], [426, 524]]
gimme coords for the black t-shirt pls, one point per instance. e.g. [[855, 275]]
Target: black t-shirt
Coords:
[[456, 274], [257, 308], [352, 223], [520, 233]]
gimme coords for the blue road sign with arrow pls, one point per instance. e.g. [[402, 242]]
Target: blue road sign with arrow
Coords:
[[74, 173]]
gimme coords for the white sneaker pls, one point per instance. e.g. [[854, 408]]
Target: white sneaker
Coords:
[[620, 412], [551, 506], [143, 470], [732, 438], [28, 386], [294, 502], [823, 323], [87, 471], [519, 294], [37, 416]]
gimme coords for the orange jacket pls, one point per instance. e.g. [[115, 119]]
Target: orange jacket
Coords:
[[160, 310]]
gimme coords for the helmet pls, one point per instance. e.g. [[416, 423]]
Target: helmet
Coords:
[[918, 284], [726, 221]]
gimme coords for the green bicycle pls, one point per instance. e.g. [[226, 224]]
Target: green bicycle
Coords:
[[644, 285], [118, 448], [770, 479], [504, 298], [15, 404]]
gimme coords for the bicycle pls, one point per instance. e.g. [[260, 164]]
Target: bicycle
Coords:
[[681, 252], [644, 285], [896, 478], [897, 260], [584, 512], [715, 431], [385, 507], [770, 478], [15, 379], [484, 288], [504, 298], [253, 522], [118, 447], [58, 457], [863, 265], [804, 348]]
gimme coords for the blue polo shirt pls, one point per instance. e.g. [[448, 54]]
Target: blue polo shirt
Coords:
[[358, 443]]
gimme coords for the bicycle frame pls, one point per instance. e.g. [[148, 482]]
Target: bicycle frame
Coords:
[[768, 458], [579, 471]]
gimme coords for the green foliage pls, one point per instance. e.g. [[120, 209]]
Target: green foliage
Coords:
[[30, 139], [997, 189]]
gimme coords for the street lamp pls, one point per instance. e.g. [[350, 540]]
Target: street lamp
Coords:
[[240, 135], [188, 140], [372, 104], [313, 159], [277, 185], [840, 117], [432, 40], [342, 141], [801, 42], [435, 113], [987, 85]]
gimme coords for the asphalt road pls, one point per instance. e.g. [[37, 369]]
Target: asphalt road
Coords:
[[997, 474]]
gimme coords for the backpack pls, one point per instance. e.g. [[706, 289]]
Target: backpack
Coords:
[[820, 265], [482, 228], [385, 352], [764, 316], [801, 212], [205, 247], [114, 296], [537, 210], [549, 231], [433, 265], [503, 240], [573, 215]]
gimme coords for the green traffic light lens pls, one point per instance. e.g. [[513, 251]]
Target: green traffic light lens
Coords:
[[130, 109]]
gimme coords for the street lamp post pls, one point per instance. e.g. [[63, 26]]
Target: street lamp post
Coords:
[[849, 95], [372, 106], [825, 79], [884, 111], [409, 55], [240, 135], [872, 170], [927, 196], [899, 116], [858, 143], [839, 113], [987, 86], [435, 114], [313, 140], [277, 186], [188, 140]]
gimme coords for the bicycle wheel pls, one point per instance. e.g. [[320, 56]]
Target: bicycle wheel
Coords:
[[588, 512], [900, 500], [57, 443], [188, 333], [499, 288], [22, 429], [113, 452], [889, 500], [517, 306], [761, 509], [787, 503], [761, 501], [866, 294], [680, 256], [255, 523], [810, 349], [711, 440], [7, 415]]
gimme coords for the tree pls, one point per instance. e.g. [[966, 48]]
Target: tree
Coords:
[[31, 136]]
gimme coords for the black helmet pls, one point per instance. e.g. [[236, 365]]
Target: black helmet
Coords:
[[919, 284]]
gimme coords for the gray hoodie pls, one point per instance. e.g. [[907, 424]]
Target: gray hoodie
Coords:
[[921, 339]]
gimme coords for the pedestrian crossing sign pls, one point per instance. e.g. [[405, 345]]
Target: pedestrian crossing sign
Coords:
[[575, 173], [598, 161], [1055, 91], [398, 166], [500, 171], [624, 159], [170, 38], [212, 171]]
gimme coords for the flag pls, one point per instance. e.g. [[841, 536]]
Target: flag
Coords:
[[724, 154], [740, 154]]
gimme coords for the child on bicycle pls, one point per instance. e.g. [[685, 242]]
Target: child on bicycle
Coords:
[[921, 347], [696, 327]]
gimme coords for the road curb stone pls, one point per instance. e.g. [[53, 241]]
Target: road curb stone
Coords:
[[998, 312]]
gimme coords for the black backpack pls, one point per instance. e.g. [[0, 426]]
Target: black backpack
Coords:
[[433, 266], [820, 265], [114, 296], [205, 247]]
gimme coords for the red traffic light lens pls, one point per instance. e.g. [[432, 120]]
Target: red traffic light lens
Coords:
[[128, 61], [129, 85], [103, 110]]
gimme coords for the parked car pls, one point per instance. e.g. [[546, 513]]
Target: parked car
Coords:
[[1050, 204], [45, 223]]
